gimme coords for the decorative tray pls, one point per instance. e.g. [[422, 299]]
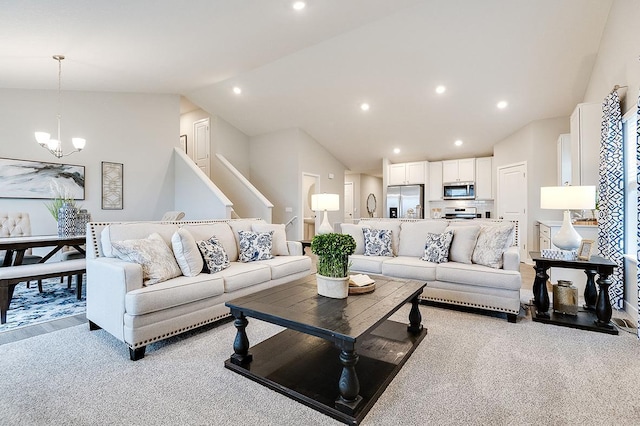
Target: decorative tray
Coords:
[[362, 289]]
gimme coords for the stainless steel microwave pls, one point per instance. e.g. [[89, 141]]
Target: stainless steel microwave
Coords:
[[459, 191]]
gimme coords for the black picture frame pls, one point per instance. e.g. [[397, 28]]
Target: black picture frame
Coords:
[[183, 142]]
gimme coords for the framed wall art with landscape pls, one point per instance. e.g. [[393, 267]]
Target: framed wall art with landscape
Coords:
[[112, 186], [37, 179]]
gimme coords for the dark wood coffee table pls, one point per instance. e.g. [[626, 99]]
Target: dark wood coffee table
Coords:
[[337, 355]]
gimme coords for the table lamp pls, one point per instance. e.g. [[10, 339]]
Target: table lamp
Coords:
[[326, 202], [567, 198]]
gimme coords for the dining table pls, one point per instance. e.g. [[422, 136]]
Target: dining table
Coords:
[[17, 246]]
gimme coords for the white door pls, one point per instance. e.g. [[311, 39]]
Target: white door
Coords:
[[348, 202], [201, 137], [512, 200]]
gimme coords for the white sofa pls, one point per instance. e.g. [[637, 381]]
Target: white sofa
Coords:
[[460, 280], [137, 314]]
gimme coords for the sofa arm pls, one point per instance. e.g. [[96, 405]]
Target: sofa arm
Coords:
[[511, 259], [295, 248]]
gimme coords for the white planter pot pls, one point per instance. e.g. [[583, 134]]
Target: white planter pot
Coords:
[[336, 288]]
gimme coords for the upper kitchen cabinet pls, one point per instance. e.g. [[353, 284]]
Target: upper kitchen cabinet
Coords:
[[585, 144], [459, 170], [407, 173], [435, 181], [484, 178]]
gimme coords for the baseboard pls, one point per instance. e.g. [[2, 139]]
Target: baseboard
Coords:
[[631, 311]]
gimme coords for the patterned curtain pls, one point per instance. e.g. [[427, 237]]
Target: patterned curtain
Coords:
[[611, 195]]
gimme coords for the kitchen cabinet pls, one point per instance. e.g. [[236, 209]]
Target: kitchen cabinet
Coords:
[[435, 181], [407, 173], [564, 159], [459, 170], [484, 178], [585, 143]]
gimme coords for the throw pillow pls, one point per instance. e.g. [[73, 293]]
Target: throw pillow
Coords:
[[187, 254], [377, 242], [436, 247], [215, 258], [255, 245], [463, 243], [155, 256], [279, 247], [493, 241]]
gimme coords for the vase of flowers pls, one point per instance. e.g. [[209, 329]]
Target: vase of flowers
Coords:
[[333, 252], [63, 209]]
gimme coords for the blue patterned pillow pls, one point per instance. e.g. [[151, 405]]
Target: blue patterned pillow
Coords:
[[436, 247], [377, 242], [215, 258], [255, 245]]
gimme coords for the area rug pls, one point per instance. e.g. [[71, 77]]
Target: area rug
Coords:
[[29, 307]]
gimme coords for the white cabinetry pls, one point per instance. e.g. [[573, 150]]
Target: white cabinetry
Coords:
[[564, 160], [484, 181], [435, 181], [459, 170], [585, 144], [407, 173]]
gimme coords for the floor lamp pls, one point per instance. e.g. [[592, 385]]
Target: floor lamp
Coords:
[[325, 202], [567, 198]]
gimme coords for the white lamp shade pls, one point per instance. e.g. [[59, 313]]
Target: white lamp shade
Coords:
[[52, 144], [327, 202], [79, 143], [42, 138], [568, 197]]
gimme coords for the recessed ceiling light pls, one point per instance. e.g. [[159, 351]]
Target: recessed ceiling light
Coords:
[[237, 90], [396, 150], [502, 104], [458, 142], [299, 5], [440, 89], [364, 106]]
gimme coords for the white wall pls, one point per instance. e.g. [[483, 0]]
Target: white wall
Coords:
[[138, 130]]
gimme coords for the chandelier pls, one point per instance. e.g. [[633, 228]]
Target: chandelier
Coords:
[[44, 139]]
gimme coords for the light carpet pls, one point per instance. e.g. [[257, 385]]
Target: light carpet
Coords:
[[470, 369]]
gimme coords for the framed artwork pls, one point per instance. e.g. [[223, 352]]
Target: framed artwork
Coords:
[[37, 179], [112, 185], [584, 252], [183, 142]]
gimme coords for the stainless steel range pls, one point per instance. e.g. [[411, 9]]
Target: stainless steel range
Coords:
[[460, 212]]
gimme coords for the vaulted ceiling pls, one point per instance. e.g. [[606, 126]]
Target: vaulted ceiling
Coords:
[[313, 68]]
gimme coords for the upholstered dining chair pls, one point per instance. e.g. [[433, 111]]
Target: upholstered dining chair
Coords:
[[17, 224]]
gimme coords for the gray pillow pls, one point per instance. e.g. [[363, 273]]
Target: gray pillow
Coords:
[[463, 243], [436, 247], [153, 254], [493, 241]]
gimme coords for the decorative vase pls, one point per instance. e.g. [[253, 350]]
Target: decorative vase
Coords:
[[83, 217], [67, 220], [335, 288]]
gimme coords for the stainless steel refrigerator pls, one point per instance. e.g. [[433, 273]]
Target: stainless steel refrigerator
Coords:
[[405, 201]]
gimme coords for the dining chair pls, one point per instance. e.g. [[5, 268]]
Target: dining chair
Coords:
[[17, 224]]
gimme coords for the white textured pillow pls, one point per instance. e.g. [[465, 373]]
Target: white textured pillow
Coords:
[[215, 258], [436, 247], [464, 241], [493, 241], [255, 245], [158, 263], [186, 252], [279, 247], [377, 242], [356, 232]]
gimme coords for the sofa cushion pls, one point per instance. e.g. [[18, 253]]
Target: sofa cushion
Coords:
[[283, 266], [175, 292], [240, 275], [241, 225], [409, 267], [221, 230], [356, 232], [463, 243], [436, 247], [394, 227], [255, 245], [377, 242], [369, 264], [153, 254], [187, 253], [414, 234], [279, 247], [133, 231], [215, 258], [492, 242], [478, 275]]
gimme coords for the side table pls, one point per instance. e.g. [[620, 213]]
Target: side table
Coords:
[[596, 313]]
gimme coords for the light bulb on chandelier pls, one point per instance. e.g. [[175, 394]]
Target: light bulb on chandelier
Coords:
[[44, 139]]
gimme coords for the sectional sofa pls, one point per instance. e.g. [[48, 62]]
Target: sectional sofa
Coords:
[[481, 269], [124, 298]]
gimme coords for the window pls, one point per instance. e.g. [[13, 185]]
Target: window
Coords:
[[630, 135]]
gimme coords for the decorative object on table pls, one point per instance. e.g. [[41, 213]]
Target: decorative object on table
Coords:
[[333, 252], [584, 252], [54, 146], [567, 198], [112, 186], [325, 202], [360, 284], [559, 254], [36, 179], [82, 219], [371, 204], [67, 214], [565, 298], [61, 196]]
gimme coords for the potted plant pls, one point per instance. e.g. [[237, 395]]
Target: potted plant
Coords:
[[333, 252]]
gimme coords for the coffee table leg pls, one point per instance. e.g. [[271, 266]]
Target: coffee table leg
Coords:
[[415, 318], [241, 353], [349, 385]]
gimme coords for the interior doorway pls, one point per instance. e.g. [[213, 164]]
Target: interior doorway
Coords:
[[202, 147], [310, 185], [512, 200]]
